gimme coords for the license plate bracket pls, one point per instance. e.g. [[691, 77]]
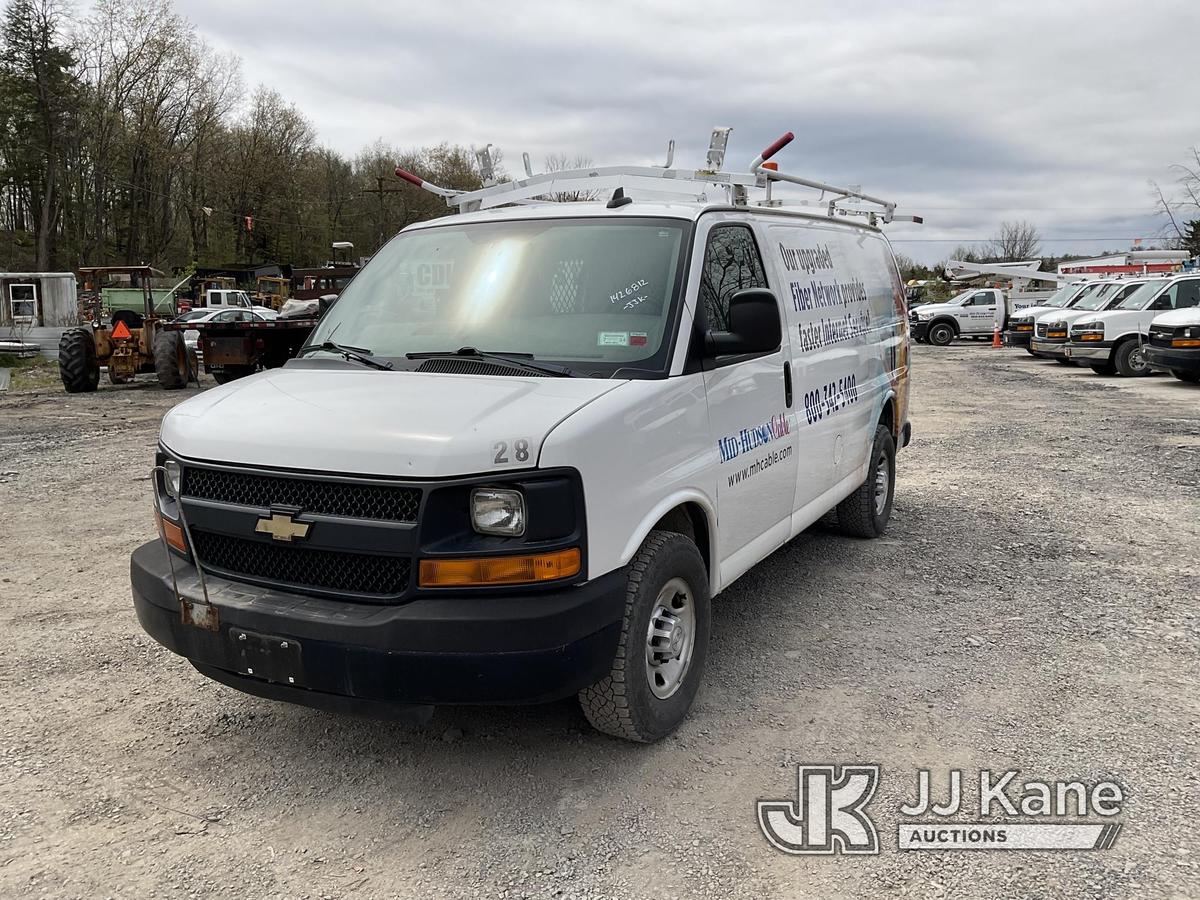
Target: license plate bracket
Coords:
[[199, 615], [268, 657]]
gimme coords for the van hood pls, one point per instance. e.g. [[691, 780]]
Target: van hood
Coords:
[[1035, 311], [368, 422], [1176, 317], [934, 308]]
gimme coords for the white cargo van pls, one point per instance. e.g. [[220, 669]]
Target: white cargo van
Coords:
[[1174, 344], [1112, 342], [1052, 328], [527, 446]]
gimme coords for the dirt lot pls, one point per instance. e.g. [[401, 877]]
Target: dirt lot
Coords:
[[1034, 606]]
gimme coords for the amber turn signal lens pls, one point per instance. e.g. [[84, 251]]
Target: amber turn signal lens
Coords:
[[1091, 336], [499, 569], [170, 532], [1185, 342]]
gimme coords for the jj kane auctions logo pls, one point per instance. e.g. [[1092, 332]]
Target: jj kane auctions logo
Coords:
[[829, 814]]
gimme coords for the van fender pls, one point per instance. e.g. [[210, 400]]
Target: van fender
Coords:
[[664, 506]]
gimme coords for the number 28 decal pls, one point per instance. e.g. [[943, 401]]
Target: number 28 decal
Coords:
[[519, 453]]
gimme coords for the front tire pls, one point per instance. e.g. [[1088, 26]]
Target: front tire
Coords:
[[866, 512], [77, 364], [1104, 368], [941, 334], [1130, 361], [1189, 377], [664, 643]]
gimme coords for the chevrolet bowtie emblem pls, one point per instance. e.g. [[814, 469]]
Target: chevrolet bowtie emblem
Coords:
[[282, 527]]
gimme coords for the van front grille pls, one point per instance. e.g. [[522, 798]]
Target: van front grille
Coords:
[[357, 500]]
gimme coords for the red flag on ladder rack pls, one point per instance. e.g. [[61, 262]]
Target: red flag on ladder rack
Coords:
[[249, 223]]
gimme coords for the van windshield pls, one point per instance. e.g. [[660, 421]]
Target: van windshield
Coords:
[[1143, 295], [1098, 298], [593, 295], [1062, 296]]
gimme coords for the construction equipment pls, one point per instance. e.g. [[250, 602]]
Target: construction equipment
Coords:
[[271, 291], [664, 182], [129, 341]]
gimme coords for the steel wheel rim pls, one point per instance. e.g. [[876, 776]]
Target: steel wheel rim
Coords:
[[1137, 360], [670, 638], [882, 484]]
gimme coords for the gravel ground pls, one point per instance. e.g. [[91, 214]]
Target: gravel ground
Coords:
[[1034, 606]]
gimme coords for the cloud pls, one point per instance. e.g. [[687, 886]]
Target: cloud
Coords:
[[968, 113]]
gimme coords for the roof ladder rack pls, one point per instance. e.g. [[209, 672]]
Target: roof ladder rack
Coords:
[[762, 175]]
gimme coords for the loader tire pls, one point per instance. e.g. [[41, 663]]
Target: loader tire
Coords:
[[77, 363]]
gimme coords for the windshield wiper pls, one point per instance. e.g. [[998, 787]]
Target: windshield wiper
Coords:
[[352, 354], [516, 360]]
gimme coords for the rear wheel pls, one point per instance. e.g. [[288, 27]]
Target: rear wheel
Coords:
[[226, 374], [1189, 377], [941, 334], [77, 363], [663, 645], [172, 364], [865, 513], [1130, 361], [1062, 361]]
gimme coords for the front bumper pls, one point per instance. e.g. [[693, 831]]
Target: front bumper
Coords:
[[1166, 358], [1050, 349], [1097, 351], [918, 329], [1017, 338], [359, 657]]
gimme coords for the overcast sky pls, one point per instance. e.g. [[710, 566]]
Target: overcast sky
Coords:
[[968, 113]]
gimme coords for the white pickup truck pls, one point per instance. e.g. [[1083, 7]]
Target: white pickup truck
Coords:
[[229, 298], [972, 313], [1112, 342]]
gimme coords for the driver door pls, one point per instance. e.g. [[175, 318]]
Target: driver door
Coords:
[[753, 429]]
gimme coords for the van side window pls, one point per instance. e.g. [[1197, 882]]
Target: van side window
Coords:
[[731, 264], [1186, 294]]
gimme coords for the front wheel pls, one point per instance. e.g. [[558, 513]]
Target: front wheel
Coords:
[[1130, 361], [663, 645], [1103, 368], [1062, 361], [941, 334], [866, 512], [1189, 377]]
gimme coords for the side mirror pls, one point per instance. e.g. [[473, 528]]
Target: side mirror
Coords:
[[324, 302], [753, 325]]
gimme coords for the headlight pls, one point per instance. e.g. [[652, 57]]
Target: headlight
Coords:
[[922, 315], [498, 511], [173, 477], [1191, 333]]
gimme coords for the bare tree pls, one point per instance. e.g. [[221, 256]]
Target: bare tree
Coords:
[[559, 162], [1015, 241], [1183, 210]]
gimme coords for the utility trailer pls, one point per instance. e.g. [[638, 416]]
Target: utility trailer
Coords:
[[233, 350]]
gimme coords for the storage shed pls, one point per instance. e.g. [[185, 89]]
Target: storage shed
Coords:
[[38, 300]]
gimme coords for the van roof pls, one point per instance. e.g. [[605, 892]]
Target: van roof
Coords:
[[685, 209]]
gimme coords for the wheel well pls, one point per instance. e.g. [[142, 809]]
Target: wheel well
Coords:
[[887, 416], [943, 320], [689, 520]]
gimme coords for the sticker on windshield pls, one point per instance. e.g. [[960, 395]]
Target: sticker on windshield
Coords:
[[630, 291], [613, 339]]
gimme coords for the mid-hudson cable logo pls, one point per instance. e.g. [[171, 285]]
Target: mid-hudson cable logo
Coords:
[[830, 815]]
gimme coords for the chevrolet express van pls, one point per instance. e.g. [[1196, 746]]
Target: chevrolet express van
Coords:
[[523, 451], [1019, 332], [1113, 342], [1174, 344], [1052, 328]]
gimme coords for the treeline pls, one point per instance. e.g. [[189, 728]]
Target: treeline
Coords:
[[125, 139]]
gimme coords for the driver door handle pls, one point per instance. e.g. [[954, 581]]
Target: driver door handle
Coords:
[[787, 384]]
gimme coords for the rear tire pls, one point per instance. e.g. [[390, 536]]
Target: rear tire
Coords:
[[77, 364], [941, 334], [1130, 361], [865, 513], [171, 362], [664, 642], [1062, 361], [1189, 377]]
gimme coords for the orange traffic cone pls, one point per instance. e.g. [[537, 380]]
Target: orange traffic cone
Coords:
[[996, 338]]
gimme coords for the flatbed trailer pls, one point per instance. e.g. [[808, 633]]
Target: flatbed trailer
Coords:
[[236, 349]]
